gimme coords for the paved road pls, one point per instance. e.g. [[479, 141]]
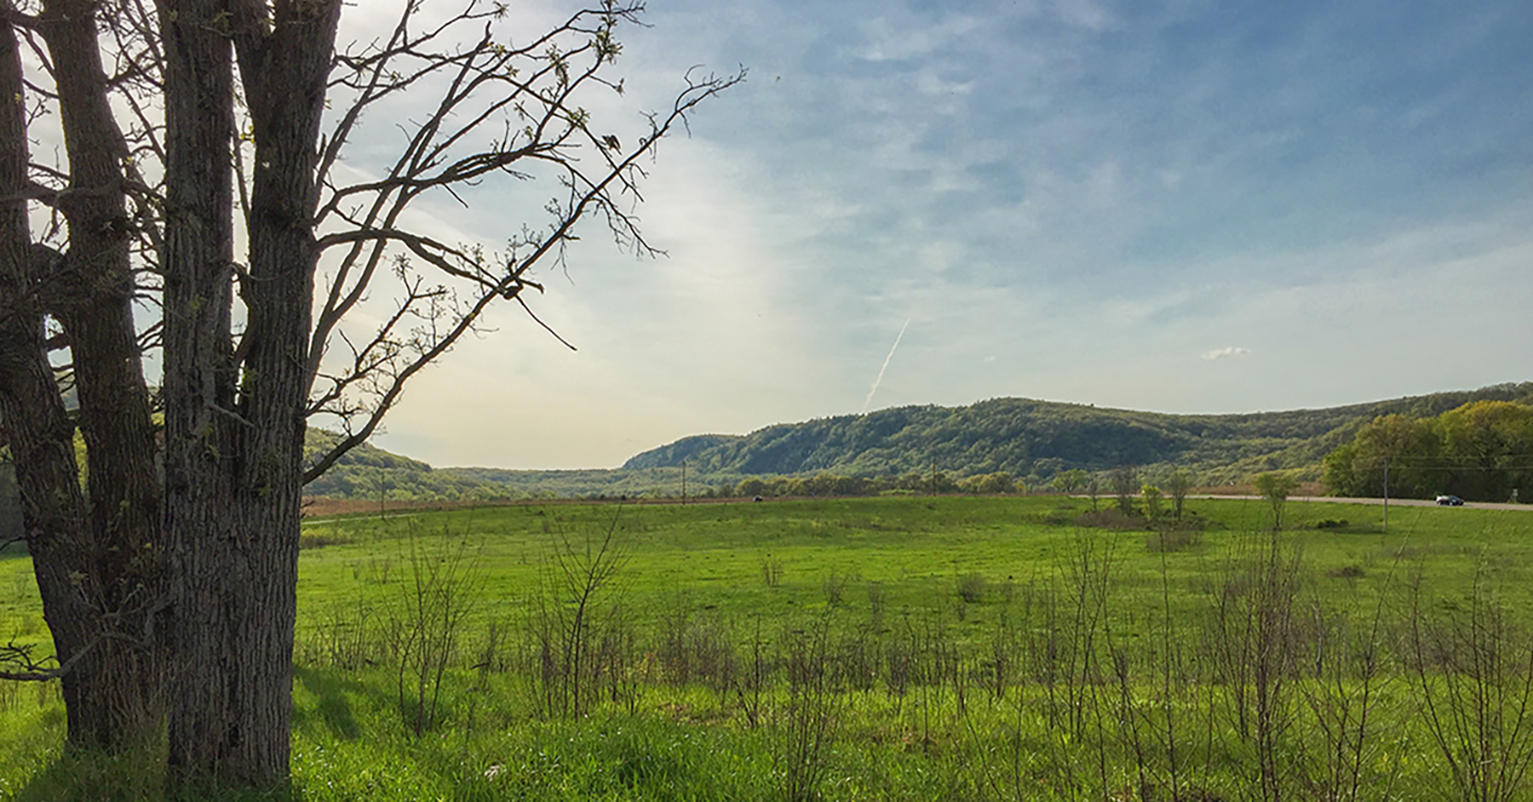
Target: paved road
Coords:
[[1403, 502]]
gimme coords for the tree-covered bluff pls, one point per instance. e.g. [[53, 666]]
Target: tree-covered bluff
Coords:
[[367, 471], [1038, 439], [1030, 440]]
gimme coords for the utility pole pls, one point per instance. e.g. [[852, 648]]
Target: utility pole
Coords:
[[683, 480]]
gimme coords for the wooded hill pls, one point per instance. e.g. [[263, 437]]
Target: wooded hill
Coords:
[[1031, 440], [369, 472], [1036, 439]]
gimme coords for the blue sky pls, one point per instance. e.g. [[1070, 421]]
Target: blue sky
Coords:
[[1180, 206]]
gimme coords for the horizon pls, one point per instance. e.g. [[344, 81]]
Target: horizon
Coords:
[[960, 406]]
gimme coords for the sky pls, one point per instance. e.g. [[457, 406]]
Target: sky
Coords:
[[1185, 206]]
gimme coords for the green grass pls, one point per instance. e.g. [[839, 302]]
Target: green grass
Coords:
[[712, 557], [941, 576]]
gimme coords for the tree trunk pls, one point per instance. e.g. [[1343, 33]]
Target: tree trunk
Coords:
[[97, 563], [235, 467], [202, 432]]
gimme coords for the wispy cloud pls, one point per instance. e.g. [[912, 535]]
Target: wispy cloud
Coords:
[[1225, 352]]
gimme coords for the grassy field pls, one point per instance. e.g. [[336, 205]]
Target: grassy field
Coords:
[[888, 648]]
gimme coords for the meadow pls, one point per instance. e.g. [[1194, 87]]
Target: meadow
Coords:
[[882, 648]]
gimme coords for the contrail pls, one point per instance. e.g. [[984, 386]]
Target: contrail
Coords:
[[869, 400]]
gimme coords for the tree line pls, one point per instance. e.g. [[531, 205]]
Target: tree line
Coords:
[[1481, 451], [829, 484]]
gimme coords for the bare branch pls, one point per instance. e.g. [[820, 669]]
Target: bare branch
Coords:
[[529, 96], [396, 387], [34, 191], [546, 327], [26, 669]]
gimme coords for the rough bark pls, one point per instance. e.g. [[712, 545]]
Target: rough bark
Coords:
[[234, 485], [97, 562], [201, 427], [39, 430]]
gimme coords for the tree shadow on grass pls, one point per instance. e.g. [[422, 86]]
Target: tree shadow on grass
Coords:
[[137, 774], [332, 707], [140, 774], [82, 774]]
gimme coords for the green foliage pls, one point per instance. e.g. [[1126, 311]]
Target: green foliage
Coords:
[[1274, 486], [1151, 495], [1487, 448], [1072, 481], [1481, 451], [1124, 481], [1178, 485], [988, 483], [1275, 489], [592, 483], [1038, 440]]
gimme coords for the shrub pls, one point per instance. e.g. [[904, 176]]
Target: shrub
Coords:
[[971, 587], [835, 589], [318, 540], [1172, 540], [876, 605], [1347, 572], [1110, 519]]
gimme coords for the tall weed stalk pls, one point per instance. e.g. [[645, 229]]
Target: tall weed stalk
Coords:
[[1472, 669], [811, 714], [573, 621], [426, 622]]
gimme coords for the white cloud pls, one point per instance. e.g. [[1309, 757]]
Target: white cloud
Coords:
[[905, 39], [1225, 352]]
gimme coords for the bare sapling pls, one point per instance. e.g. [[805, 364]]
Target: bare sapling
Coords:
[[1088, 577], [1348, 681], [346, 638], [751, 683], [811, 714], [427, 620], [1471, 668], [1253, 642], [578, 596]]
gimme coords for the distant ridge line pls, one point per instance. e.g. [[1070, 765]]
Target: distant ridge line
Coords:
[[1029, 437]]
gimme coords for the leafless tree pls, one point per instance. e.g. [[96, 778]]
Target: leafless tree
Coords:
[[168, 578]]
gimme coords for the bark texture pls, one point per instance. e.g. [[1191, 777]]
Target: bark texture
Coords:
[[201, 427], [235, 414], [97, 556]]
